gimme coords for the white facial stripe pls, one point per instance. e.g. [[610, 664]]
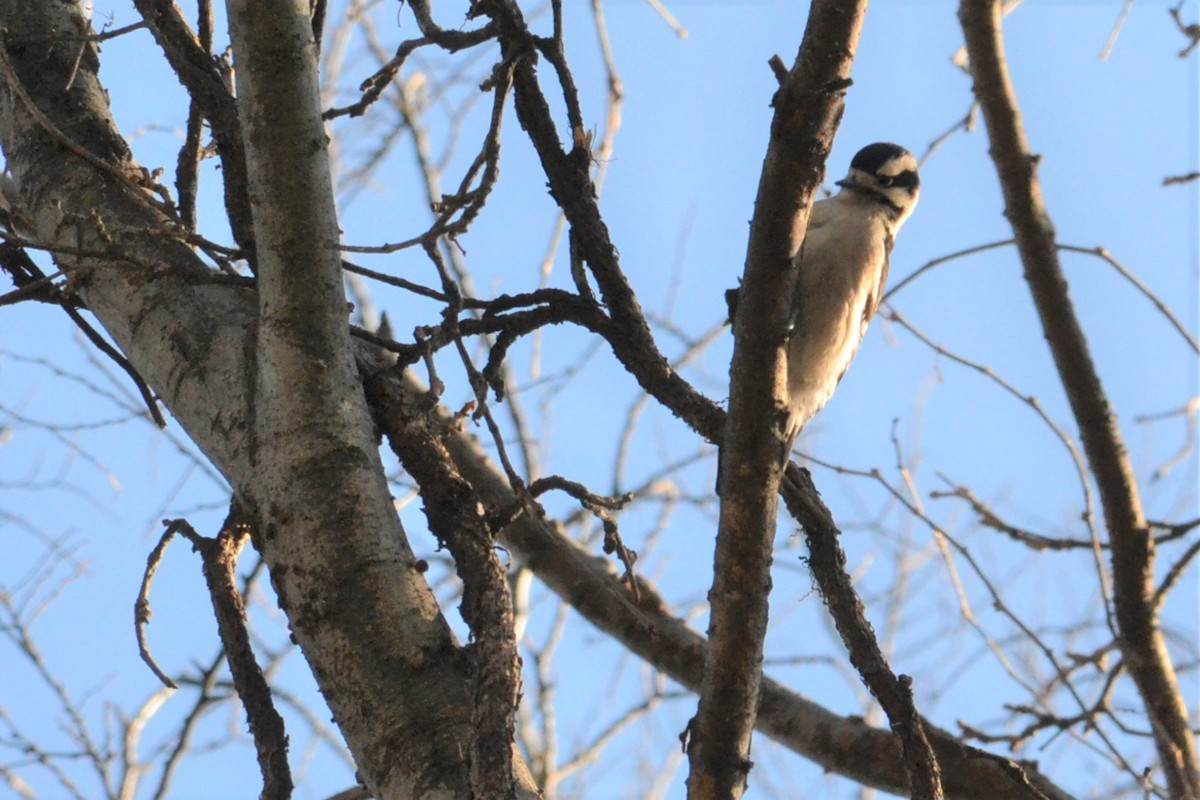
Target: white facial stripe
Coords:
[[896, 166]]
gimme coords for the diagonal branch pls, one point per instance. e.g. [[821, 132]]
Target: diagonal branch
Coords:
[[642, 623], [808, 108], [459, 519], [220, 556], [1133, 550]]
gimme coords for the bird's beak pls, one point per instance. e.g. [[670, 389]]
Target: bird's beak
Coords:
[[844, 182]]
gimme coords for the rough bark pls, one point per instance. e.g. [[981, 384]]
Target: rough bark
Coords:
[[383, 655], [458, 518], [808, 107], [320, 496]]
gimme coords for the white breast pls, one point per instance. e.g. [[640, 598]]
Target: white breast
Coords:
[[842, 266]]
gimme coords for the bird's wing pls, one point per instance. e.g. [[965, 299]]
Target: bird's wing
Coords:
[[822, 212], [876, 292]]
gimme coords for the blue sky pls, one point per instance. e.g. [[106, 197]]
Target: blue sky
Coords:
[[678, 197]]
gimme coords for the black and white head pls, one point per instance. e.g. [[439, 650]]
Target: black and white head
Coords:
[[887, 174]]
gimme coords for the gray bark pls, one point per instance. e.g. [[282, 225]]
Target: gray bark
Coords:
[[383, 655]]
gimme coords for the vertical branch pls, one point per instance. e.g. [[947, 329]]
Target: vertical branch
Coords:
[[326, 525], [187, 170], [1141, 639], [457, 517], [808, 107], [220, 558], [202, 75]]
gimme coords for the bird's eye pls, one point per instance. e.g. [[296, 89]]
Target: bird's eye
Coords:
[[885, 180]]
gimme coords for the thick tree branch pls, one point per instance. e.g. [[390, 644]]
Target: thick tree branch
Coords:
[[459, 520], [643, 624], [321, 497], [1142, 643], [192, 337], [389, 668], [802, 136], [808, 108]]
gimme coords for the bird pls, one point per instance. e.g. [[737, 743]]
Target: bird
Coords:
[[842, 269]]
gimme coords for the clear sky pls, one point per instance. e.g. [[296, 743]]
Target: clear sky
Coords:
[[678, 196]]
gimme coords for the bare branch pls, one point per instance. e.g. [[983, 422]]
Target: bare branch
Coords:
[[208, 83], [1191, 31], [141, 609], [865, 754], [808, 108], [1132, 547], [828, 563], [220, 557]]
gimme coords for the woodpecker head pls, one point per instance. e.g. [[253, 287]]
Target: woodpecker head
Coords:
[[887, 174]]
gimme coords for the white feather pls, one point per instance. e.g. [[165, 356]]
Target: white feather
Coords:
[[842, 271]]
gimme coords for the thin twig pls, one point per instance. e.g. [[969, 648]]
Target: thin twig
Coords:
[[1107, 257], [1116, 30], [141, 609]]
